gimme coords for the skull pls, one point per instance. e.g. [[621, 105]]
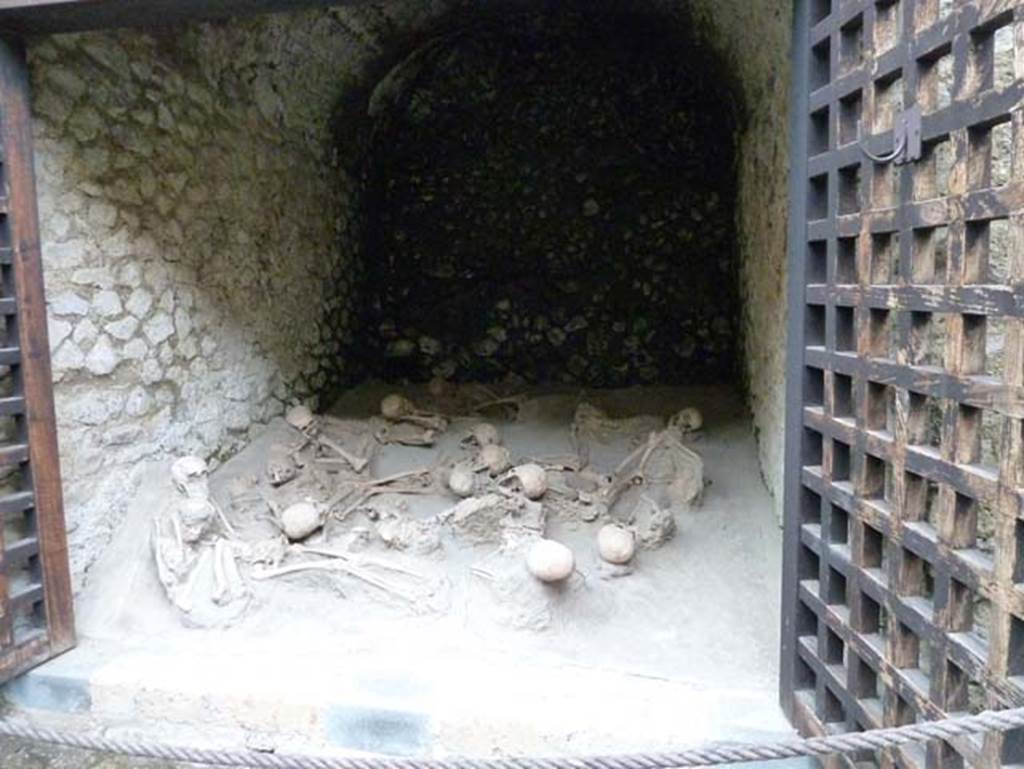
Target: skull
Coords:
[[461, 480], [300, 520], [550, 561], [689, 420], [280, 467], [195, 514], [483, 434], [191, 477], [531, 479], [301, 418], [439, 387], [396, 406], [495, 458], [616, 544]]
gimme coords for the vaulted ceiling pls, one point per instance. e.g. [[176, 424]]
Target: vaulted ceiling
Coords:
[[48, 16]]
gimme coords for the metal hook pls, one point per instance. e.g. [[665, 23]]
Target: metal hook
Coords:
[[906, 132], [897, 151]]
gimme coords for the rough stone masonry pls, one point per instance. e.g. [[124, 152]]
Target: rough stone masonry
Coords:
[[550, 199], [200, 236]]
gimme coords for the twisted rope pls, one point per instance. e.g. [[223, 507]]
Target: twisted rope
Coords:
[[856, 742]]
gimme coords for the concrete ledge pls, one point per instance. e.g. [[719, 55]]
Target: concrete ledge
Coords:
[[386, 732], [380, 703], [56, 693]]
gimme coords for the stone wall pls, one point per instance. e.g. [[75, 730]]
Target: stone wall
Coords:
[[200, 231], [552, 200], [755, 37], [196, 238]]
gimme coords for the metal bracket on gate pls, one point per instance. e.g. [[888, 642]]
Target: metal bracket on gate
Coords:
[[906, 136]]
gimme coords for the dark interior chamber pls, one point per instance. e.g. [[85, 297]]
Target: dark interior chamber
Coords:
[[550, 198]]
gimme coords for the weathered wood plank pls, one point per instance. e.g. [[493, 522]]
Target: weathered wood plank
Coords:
[[6, 620], [966, 300], [12, 405], [18, 502], [977, 391], [25, 597], [24, 656], [19, 552], [10, 356], [13, 455], [36, 379]]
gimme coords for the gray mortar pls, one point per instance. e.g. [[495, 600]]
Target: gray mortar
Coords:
[[198, 232]]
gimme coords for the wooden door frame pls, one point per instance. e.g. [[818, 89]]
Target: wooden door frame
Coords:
[[42, 553], [797, 231]]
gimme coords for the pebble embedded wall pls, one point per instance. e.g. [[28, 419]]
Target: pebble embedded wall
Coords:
[[196, 237], [200, 236], [551, 199]]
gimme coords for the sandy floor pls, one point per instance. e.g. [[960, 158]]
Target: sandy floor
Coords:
[[697, 616]]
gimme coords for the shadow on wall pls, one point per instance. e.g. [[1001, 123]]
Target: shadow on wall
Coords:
[[551, 198]]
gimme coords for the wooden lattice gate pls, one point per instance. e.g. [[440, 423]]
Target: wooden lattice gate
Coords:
[[36, 620], [905, 538]]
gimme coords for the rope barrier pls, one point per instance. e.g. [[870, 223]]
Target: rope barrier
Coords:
[[845, 744]]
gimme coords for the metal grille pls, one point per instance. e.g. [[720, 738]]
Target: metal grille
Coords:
[[35, 596], [905, 537]]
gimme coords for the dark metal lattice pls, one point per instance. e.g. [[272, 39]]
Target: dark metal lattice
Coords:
[[905, 537]]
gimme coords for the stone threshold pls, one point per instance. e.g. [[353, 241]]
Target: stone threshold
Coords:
[[318, 702]]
